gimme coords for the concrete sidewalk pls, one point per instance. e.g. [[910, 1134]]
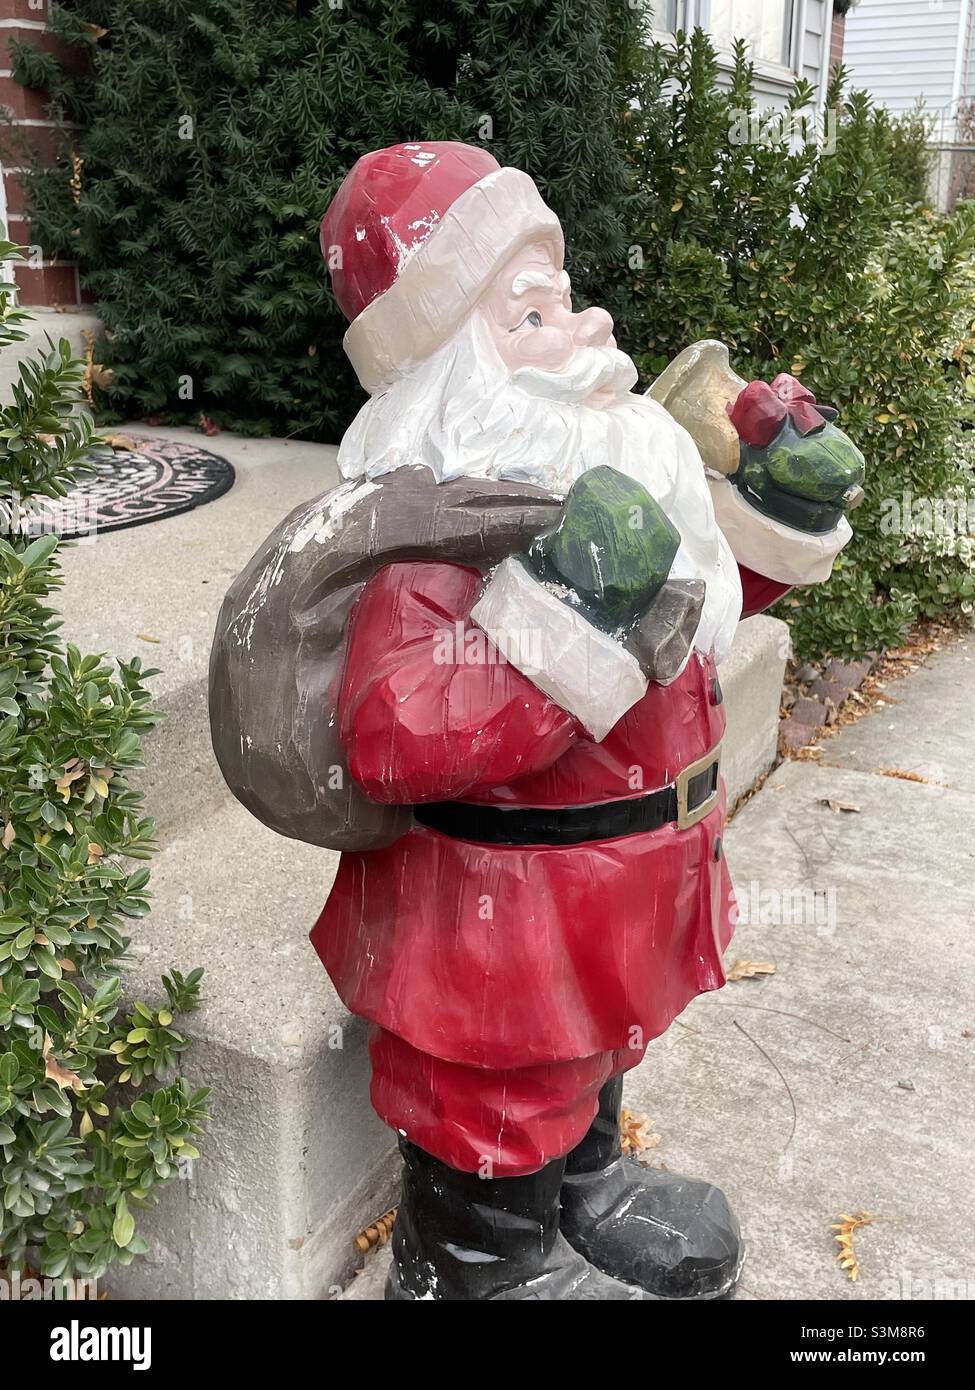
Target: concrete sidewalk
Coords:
[[844, 1081]]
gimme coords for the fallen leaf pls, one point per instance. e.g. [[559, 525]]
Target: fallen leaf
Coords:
[[147, 637], [806, 754], [635, 1135], [905, 776], [748, 969], [9, 834], [846, 1254], [378, 1233], [836, 805], [61, 1076]]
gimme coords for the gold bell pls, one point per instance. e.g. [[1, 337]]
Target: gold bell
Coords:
[[695, 389]]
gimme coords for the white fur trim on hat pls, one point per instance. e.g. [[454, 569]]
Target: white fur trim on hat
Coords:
[[769, 547], [446, 275]]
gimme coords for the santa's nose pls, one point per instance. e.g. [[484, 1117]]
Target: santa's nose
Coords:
[[592, 328]]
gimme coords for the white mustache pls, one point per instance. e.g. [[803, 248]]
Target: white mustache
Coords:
[[591, 370]]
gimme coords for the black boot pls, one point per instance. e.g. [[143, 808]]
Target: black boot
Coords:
[[674, 1237], [461, 1237]]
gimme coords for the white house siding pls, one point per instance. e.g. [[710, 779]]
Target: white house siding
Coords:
[[903, 52], [900, 50]]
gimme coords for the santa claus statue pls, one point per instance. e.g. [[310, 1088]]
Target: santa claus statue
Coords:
[[485, 668]]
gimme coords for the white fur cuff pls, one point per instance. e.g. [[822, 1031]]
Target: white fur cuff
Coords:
[[770, 547], [583, 670]]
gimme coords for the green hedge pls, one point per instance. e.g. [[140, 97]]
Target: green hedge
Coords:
[[812, 260], [79, 1156], [217, 131]]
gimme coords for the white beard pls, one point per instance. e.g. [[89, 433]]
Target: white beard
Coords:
[[462, 414]]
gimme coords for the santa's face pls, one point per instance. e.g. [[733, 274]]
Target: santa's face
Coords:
[[529, 313]]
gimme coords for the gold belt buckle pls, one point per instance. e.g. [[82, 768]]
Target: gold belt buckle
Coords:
[[685, 817]]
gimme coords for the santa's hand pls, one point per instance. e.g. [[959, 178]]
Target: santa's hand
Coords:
[[589, 614], [614, 548], [795, 465]]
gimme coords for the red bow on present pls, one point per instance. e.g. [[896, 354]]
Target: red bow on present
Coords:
[[759, 410]]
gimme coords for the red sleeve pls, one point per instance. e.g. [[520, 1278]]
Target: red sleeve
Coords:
[[758, 592], [428, 710]]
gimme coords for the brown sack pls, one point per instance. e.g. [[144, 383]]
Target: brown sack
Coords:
[[277, 654]]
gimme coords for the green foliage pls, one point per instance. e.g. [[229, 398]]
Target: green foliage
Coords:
[[905, 139], [811, 260], [217, 131], [70, 731]]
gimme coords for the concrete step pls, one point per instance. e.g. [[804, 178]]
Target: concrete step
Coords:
[[45, 323], [294, 1152], [296, 1162], [154, 592]]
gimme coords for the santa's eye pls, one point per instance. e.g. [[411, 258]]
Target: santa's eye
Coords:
[[532, 320]]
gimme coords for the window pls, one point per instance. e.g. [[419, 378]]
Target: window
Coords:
[[766, 25]]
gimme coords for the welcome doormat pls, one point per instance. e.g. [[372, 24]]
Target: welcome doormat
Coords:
[[152, 479]]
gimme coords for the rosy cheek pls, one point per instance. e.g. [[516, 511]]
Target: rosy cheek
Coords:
[[547, 348]]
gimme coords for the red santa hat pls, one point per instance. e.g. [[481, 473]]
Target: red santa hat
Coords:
[[412, 239]]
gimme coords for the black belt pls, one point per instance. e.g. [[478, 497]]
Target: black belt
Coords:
[[686, 801]]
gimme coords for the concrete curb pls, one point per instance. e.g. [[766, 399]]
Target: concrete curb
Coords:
[[46, 323]]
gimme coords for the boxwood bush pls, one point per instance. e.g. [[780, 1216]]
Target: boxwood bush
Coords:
[[94, 1117], [809, 258]]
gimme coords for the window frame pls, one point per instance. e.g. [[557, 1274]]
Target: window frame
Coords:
[[691, 14]]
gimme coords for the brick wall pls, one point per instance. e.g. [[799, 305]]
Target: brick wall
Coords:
[[41, 281], [836, 39]]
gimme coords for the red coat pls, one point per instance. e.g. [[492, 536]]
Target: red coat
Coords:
[[499, 955]]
